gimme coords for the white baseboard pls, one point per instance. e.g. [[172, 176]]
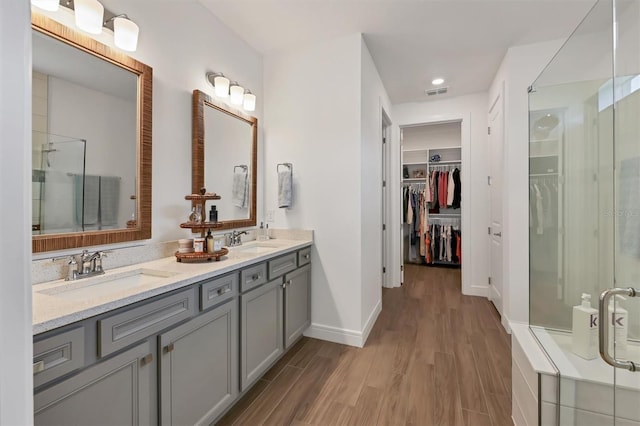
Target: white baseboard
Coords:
[[477, 290], [343, 335], [371, 321], [506, 324]]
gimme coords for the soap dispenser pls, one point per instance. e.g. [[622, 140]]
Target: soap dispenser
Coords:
[[618, 328], [584, 339]]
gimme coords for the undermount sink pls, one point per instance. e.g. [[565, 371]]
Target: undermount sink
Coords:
[[104, 285], [257, 247]]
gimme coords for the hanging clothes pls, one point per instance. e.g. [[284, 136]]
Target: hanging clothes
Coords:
[[450, 189], [457, 190]]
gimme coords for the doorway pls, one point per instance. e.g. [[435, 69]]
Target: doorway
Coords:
[[432, 197]]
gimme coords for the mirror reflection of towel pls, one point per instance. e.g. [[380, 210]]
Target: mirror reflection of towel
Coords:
[[109, 200], [284, 188], [87, 189], [240, 189]]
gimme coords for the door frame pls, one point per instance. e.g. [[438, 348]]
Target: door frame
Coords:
[[387, 248], [497, 100], [395, 178]]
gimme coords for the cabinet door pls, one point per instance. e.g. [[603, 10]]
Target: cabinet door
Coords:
[[118, 391], [199, 367], [261, 331], [297, 304]]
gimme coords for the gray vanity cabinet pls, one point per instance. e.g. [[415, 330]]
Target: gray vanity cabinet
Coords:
[[117, 391], [199, 367], [261, 338], [297, 304]]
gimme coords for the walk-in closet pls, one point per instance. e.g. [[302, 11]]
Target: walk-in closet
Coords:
[[432, 194]]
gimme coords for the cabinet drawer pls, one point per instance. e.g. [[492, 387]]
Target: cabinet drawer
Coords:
[[57, 355], [281, 265], [218, 290], [253, 276], [304, 256], [120, 330]]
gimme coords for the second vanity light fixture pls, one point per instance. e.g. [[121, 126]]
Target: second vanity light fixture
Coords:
[[237, 94], [89, 17]]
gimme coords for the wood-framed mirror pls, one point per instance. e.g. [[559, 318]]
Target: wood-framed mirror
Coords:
[[91, 162], [224, 159]]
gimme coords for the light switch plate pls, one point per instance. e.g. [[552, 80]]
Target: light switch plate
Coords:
[[271, 216]]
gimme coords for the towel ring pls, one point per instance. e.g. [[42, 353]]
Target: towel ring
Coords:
[[288, 165], [241, 166]]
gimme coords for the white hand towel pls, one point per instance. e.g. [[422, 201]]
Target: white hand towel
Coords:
[[239, 189], [284, 188]]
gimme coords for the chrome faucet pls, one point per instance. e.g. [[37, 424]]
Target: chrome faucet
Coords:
[[234, 238], [84, 265]]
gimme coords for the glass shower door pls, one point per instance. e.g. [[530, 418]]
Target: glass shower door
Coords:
[[620, 336], [584, 188]]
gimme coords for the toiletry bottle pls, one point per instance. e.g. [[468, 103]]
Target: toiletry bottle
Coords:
[[584, 339], [261, 234], [213, 214], [266, 233], [618, 328], [193, 216], [209, 240]]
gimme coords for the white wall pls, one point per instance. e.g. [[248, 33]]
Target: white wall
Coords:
[[374, 100], [520, 67], [473, 111], [313, 122], [16, 382]]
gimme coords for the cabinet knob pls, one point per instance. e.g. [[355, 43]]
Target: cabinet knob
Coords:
[[169, 348], [307, 256], [255, 277], [146, 360], [220, 291], [284, 285]]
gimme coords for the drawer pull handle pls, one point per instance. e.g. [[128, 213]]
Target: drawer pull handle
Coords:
[[307, 256], [255, 277], [146, 360], [38, 367], [169, 348], [222, 290]]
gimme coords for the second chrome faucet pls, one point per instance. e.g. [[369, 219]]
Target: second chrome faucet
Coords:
[[84, 265]]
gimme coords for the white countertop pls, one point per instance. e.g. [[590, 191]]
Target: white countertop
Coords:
[[51, 311]]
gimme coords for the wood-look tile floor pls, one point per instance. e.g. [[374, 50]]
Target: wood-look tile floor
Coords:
[[434, 357]]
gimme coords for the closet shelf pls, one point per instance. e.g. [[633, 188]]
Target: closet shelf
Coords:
[[416, 163], [440, 163], [408, 180]]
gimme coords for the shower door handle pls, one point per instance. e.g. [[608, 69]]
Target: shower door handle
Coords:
[[603, 327]]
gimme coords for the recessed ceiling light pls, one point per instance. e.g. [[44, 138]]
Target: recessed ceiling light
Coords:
[[437, 81]]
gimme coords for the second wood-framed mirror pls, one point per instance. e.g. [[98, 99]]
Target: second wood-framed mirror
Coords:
[[224, 159]]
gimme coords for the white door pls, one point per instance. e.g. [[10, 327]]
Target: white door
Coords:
[[496, 142]]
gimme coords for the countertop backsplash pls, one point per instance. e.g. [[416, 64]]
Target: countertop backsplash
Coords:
[[45, 270]]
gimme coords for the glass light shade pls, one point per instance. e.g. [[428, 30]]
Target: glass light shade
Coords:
[[89, 15], [125, 34], [237, 94], [249, 101], [50, 5], [221, 84]]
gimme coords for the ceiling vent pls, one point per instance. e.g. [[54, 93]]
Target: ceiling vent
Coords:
[[438, 91]]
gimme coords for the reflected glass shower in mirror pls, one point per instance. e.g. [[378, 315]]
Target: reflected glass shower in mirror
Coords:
[[84, 145]]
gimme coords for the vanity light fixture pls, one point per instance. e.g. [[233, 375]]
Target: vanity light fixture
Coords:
[[237, 93], [220, 83], [437, 81], [125, 32], [50, 5], [89, 17], [249, 103]]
